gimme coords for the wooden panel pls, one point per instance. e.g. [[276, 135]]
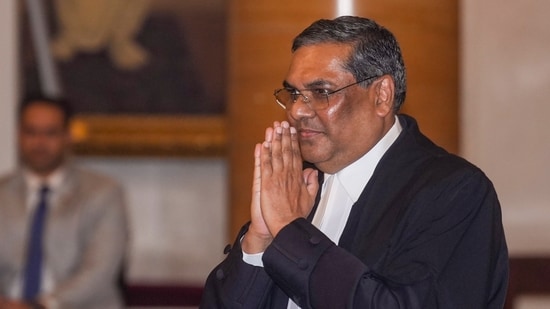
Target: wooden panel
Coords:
[[427, 31], [260, 35]]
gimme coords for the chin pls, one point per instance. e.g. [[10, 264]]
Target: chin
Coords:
[[312, 158], [43, 166]]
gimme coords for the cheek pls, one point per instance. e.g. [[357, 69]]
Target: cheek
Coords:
[[352, 127], [28, 142], [54, 145], [340, 120]]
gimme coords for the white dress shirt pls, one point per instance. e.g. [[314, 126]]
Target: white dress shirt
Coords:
[[347, 185]]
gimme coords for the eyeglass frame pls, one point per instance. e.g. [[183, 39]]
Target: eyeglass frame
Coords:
[[306, 99]]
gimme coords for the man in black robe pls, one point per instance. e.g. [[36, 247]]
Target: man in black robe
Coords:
[[380, 217]]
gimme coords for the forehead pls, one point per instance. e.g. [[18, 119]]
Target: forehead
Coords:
[[319, 62], [41, 112]]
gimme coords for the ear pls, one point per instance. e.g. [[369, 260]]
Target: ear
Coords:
[[385, 91], [73, 133]]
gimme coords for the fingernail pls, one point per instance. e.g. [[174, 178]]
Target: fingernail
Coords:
[[285, 125], [279, 130], [293, 130]]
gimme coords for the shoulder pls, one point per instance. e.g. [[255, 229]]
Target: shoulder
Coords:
[[6, 179], [90, 181], [450, 165], [430, 159], [429, 172], [453, 188], [445, 176], [10, 180], [94, 195]]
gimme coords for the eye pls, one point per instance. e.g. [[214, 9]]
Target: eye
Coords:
[[320, 93], [293, 93]]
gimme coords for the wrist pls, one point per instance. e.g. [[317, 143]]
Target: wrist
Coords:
[[253, 243]]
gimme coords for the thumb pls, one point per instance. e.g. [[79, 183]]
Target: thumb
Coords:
[[311, 180]]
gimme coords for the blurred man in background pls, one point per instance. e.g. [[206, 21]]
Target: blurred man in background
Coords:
[[63, 230]]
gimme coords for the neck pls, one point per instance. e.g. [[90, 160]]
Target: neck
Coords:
[[43, 174]]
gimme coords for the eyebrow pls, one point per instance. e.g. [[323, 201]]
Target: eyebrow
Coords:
[[311, 85]]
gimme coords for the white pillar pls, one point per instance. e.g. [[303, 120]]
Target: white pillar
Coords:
[[47, 71], [505, 128], [8, 83], [344, 7]]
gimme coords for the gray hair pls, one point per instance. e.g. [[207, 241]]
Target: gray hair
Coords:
[[375, 49]]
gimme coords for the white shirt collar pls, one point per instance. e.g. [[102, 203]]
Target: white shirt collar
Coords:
[[53, 181], [355, 176]]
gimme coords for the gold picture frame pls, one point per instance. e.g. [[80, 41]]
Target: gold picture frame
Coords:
[[182, 135]]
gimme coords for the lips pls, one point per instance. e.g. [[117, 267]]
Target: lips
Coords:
[[308, 133]]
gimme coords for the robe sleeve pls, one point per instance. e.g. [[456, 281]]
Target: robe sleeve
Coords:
[[235, 283]]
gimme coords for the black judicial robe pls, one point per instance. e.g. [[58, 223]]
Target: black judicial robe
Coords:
[[426, 232]]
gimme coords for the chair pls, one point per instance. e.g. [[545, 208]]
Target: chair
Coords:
[[162, 295], [528, 275]]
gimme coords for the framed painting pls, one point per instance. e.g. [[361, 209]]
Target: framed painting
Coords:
[[145, 77]]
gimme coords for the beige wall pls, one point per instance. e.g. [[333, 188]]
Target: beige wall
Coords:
[[177, 210], [8, 84], [505, 107]]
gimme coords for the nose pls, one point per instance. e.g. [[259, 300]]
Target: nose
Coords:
[[301, 109]]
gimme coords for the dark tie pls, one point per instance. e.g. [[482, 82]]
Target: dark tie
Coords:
[[33, 268]]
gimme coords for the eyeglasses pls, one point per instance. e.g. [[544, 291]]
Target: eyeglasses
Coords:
[[317, 99]]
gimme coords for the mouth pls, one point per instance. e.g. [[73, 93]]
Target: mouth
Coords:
[[308, 133]]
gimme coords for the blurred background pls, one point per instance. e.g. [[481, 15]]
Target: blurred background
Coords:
[[177, 126]]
